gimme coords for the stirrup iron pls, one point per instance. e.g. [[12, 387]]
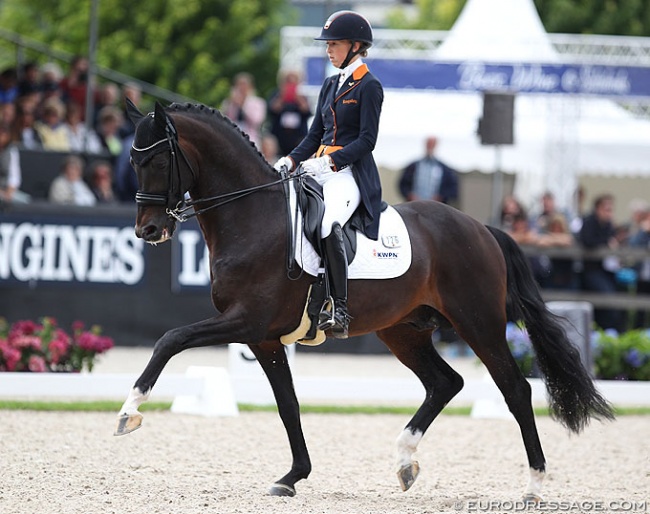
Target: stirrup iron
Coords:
[[326, 315]]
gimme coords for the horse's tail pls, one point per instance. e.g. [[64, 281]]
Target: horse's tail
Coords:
[[573, 398]]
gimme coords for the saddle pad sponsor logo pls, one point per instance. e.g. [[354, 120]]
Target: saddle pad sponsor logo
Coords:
[[385, 255]]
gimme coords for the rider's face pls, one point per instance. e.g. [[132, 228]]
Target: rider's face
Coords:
[[337, 51]]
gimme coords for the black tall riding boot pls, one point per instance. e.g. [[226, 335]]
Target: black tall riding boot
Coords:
[[337, 270]]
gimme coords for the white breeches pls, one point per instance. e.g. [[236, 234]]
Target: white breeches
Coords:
[[341, 195]]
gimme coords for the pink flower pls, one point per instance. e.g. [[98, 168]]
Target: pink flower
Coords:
[[58, 349], [25, 342], [25, 327], [10, 355], [78, 326], [36, 364]]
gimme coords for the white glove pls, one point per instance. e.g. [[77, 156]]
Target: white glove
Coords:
[[285, 162], [317, 166]]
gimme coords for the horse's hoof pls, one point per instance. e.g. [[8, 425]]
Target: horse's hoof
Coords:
[[127, 423], [278, 489], [532, 498], [407, 475]]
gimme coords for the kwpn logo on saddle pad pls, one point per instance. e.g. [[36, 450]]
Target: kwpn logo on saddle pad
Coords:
[[384, 255]]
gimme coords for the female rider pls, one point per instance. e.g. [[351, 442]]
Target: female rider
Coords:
[[342, 137]]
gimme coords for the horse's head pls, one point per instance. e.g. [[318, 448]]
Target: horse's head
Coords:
[[157, 159]]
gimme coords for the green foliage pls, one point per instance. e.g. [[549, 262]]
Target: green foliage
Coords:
[[430, 15], [192, 47], [624, 357]]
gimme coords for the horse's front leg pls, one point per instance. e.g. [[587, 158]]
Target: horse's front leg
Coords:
[[213, 331], [273, 358]]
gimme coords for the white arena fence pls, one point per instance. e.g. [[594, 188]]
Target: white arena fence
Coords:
[[216, 391]]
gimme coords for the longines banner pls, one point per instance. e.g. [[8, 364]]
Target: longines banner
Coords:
[[69, 250], [190, 258], [581, 79]]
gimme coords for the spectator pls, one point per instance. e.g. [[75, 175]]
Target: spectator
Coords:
[[270, 149], [126, 182], [50, 79], [81, 139], [8, 113], [23, 132], [522, 232], [244, 107], [75, 84], [10, 173], [110, 121], [598, 231], [101, 181], [548, 211], [563, 272], [108, 95], [30, 80], [510, 209], [51, 129], [8, 85], [69, 187], [429, 178], [132, 91], [641, 239], [288, 113]]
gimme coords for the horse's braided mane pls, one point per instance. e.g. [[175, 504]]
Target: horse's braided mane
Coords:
[[211, 114]]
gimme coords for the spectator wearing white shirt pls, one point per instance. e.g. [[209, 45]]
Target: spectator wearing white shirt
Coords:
[[69, 187], [10, 173]]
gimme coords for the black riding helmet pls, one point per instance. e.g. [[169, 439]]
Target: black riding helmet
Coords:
[[347, 25]]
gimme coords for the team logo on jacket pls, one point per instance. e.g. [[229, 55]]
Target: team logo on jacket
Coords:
[[350, 101]]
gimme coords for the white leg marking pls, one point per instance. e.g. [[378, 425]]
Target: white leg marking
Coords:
[[535, 483], [407, 445], [133, 401]]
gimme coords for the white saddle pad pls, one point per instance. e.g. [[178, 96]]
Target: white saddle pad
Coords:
[[388, 257]]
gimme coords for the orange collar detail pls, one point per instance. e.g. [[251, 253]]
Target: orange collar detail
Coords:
[[360, 72]]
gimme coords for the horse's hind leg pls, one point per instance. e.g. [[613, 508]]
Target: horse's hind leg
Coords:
[[441, 383], [492, 348], [272, 357]]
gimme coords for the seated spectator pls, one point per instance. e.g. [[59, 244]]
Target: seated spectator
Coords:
[[8, 85], [50, 80], [69, 187], [244, 107], [75, 84], [23, 132], [30, 79], [10, 173], [101, 181], [107, 95], [81, 139], [51, 129], [8, 112], [110, 121], [598, 231]]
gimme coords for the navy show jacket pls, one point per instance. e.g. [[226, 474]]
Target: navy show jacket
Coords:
[[349, 117]]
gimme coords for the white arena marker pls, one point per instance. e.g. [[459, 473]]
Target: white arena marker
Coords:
[[216, 399]]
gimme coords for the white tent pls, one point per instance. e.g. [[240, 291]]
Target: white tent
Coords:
[[557, 137]]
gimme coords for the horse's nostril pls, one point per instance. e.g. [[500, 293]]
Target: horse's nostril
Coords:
[[146, 232]]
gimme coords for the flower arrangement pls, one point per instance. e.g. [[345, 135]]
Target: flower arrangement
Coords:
[[39, 347], [616, 356], [622, 356]]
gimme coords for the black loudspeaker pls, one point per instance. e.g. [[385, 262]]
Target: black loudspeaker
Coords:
[[496, 125]]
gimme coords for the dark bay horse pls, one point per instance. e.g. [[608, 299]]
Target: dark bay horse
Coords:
[[463, 274]]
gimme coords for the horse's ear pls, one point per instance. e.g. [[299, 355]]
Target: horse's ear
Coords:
[[160, 116], [133, 112]]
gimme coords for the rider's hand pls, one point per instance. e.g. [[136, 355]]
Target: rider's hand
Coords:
[[285, 162], [317, 166]]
